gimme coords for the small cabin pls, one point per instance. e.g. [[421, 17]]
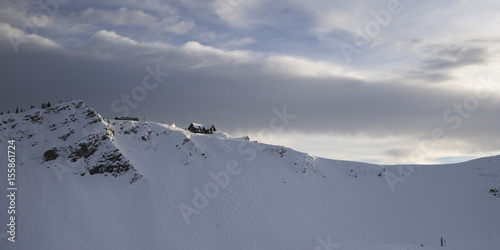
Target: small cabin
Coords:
[[126, 118], [200, 128]]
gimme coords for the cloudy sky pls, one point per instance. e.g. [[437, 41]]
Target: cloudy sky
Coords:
[[380, 81]]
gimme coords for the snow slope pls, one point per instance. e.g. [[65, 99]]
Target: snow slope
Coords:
[[84, 183]]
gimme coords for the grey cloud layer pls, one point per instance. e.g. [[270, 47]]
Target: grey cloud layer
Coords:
[[233, 68]]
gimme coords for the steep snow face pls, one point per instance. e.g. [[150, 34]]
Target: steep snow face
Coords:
[[86, 183]]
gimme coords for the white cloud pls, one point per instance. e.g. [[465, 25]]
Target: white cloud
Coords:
[[194, 55], [224, 40], [337, 15], [112, 37], [235, 12], [16, 39], [191, 55]]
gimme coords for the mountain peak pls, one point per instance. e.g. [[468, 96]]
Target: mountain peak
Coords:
[[71, 137]]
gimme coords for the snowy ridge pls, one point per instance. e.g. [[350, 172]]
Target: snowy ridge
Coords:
[[86, 183]]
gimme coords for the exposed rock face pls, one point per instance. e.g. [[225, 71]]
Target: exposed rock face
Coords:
[[71, 136]]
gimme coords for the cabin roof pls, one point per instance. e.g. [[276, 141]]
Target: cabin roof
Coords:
[[197, 124]]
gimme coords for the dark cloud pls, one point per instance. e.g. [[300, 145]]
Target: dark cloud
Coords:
[[104, 60], [241, 100], [449, 57]]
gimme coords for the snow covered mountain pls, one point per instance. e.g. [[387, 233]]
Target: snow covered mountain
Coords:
[[85, 182]]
